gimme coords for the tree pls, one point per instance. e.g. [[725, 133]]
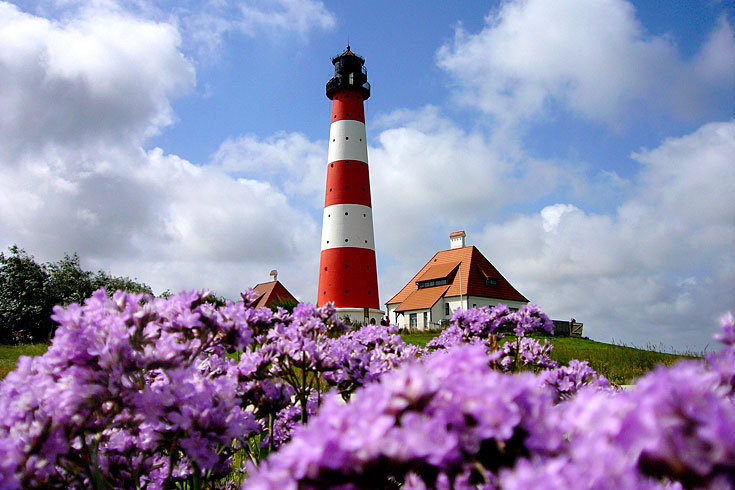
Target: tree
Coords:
[[68, 282], [29, 291], [112, 284], [25, 306]]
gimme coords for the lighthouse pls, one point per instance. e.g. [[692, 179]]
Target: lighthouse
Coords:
[[347, 272]]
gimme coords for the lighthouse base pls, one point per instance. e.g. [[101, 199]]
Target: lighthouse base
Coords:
[[360, 316]]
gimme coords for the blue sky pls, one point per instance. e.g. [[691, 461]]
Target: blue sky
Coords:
[[586, 147]]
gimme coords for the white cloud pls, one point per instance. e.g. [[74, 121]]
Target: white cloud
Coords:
[[96, 79], [428, 175], [207, 24], [78, 98], [289, 161], [592, 56], [661, 267]]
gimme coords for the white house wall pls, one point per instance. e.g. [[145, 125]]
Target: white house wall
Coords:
[[437, 312]]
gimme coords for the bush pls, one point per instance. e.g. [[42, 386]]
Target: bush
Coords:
[[29, 291]]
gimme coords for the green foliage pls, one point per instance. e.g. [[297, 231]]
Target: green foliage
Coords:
[[29, 291], [25, 305], [67, 282], [286, 304], [112, 284]]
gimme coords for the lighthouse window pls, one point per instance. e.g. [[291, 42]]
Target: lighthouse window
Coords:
[[365, 241], [363, 214], [347, 137], [346, 213], [325, 268], [347, 266], [346, 239], [347, 187]]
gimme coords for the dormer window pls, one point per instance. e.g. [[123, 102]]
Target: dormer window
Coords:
[[432, 282]]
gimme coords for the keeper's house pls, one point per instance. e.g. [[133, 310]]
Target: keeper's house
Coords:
[[460, 277]]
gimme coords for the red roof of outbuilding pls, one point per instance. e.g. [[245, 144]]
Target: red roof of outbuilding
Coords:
[[270, 293], [470, 278]]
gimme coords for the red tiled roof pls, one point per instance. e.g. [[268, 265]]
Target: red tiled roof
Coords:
[[270, 293], [438, 271], [423, 298], [469, 278]]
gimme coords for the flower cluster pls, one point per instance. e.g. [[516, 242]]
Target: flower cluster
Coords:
[[475, 325], [568, 380], [452, 422], [162, 393], [362, 355], [125, 395], [428, 421]]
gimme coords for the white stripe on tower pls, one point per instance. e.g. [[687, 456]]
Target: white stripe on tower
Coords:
[[347, 141]]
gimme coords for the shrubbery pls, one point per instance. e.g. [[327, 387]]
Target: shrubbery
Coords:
[[29, 291], [179, 392]]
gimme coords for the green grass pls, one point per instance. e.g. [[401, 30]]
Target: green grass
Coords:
[[9, 355], [618, 363]]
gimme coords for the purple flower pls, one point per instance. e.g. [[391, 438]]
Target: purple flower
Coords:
[[422, 419], [727, 329], [569, 379]]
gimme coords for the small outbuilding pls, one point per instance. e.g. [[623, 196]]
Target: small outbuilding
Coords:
[[272, 293], [460, 277]]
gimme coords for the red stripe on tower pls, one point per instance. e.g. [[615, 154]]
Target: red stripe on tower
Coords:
[[347, 272]]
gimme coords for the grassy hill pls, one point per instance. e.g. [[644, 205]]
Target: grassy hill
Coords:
[[9, 355], [618, 363]]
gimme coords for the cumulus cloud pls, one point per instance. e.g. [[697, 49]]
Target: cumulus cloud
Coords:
[[428, 172], [90, 80], [78, 99], [208, 23], [593, 57], [204, 24], [662, 266], [289, 161]]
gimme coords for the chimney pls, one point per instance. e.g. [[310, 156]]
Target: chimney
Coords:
[[456, 239], [274, 275]]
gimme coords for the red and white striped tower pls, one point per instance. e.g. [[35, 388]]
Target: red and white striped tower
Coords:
[[347, 273]]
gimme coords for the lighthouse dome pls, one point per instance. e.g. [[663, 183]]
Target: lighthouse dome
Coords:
[[349, 73]]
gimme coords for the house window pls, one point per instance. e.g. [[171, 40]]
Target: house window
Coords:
[[412, 320], [490, 281], [426, 319], [432, 283], [446, 309]]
